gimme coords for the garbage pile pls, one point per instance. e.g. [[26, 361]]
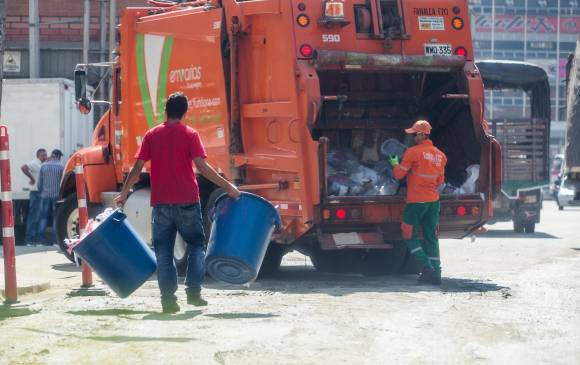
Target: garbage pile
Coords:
[[349, 175], [371, 175]]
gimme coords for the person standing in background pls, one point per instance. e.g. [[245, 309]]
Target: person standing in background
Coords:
[[49, 188], [32, 171]]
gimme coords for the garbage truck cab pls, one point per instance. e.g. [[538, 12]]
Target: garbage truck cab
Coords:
[[294, 100]]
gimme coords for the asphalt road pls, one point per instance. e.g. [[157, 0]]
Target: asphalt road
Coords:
[[506, 298]]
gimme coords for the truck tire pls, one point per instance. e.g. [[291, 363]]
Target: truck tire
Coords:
[[67, 223], [384, 262], [410, 266], [272, 261], [518, 226], [530, 227], [336, 262]]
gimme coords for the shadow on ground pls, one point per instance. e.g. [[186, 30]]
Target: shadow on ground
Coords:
[[305, 280], [115, 339], [507, 233], [241, 315]]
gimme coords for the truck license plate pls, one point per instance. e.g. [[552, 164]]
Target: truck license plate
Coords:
[[437, 49]]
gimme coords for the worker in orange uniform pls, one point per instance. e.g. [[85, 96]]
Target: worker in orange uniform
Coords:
[[424, 166]]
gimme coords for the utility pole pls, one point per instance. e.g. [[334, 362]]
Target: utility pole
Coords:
[[33, 39], [103, 94], [2, 41], [112, 28], [86, 31]]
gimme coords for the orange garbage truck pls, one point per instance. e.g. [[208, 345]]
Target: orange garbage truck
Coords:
[[300, 102]]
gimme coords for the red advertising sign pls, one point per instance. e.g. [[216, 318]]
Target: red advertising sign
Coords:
[[535, 24]]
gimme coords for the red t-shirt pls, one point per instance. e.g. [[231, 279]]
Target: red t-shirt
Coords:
[[171, 148]]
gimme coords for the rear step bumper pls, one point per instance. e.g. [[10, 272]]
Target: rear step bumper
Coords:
[[378, 220]]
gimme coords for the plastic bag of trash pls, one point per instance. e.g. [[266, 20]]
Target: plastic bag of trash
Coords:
[[92, 224], [342, 186], [469, 185], [362, 175], [342, 160]]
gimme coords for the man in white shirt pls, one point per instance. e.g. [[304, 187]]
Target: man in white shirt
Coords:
[[32, 171]]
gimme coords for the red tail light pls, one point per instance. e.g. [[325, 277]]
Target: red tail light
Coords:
[[306, 50], [340, 213], [461, 211], [461, 51]]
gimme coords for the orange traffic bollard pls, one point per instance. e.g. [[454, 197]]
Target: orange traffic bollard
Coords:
[[83, 216], [7, 219]]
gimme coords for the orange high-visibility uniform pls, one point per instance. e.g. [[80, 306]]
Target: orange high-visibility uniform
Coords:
[[424, 167]]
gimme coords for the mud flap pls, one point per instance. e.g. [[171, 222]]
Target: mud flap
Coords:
[[407, 230]]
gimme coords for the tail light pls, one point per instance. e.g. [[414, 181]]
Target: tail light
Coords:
[[334, 9], [461, 211], [340, 213], [306, 51], [457, 23], [461, 51], [303, 20], [301, 6]]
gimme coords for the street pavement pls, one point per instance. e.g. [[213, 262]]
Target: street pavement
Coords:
[[506, 298]]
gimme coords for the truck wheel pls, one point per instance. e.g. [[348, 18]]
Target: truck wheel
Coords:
[[272, 261], [67, 223], [518, 226], [530, 227], [336, 262], [410, 266], [384, 262]]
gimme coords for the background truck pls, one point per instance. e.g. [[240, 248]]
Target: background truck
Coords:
[[524, 141], [40, 113], [294, 100], [569, 187]]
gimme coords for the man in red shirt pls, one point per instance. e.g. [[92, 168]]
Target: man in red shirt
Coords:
[[424, 167], [171, 147]]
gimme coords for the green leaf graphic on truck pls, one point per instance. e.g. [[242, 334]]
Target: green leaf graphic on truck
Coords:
[[153, 54]]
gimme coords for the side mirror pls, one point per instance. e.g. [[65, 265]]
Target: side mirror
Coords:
[[80, 84], [83, 102]]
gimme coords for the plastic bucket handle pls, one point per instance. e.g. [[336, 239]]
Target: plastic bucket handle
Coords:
[[277, 222]]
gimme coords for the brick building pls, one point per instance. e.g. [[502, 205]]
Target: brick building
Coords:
[[61, 33]]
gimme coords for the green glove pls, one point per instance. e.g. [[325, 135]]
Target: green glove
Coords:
[[394, 160]]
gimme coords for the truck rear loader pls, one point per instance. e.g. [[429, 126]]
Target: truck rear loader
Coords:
[[293, 100]]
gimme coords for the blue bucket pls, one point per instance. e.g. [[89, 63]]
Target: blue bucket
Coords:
[[239, 238], [118, 255]]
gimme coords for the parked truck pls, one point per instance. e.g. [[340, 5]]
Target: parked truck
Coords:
[[525, 142], [39, 113], [569, 184], [293, 100]]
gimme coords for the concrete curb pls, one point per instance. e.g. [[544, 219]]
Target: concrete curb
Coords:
[[27, 289]]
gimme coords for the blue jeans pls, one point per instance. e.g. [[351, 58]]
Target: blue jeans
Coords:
[[47, 209], [167, 221], [33, 219]]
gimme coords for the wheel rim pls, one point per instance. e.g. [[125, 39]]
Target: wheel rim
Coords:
[[180, 249], [72, 224]]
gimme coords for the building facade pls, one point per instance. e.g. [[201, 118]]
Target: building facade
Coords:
[[542, 32]]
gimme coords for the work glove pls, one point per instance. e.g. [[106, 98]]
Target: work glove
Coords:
[[394, 160]]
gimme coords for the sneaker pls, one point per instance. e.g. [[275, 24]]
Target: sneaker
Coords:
[[429, 276], [170, 307], [196, 300]]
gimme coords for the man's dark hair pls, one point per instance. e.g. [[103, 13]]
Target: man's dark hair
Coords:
[[176, 106], [39, 151], [56, 153]]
